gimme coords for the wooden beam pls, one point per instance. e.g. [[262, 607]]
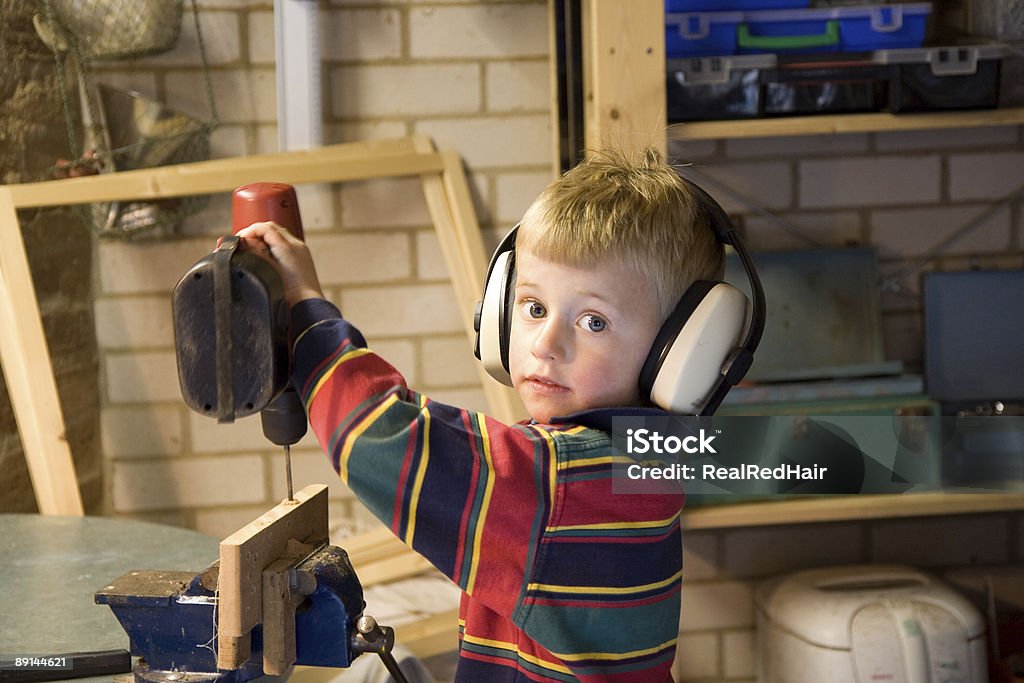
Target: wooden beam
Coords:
[[24, 354], [247, 552], [30, 380], [458, 232], [336, 163], [624, 74]]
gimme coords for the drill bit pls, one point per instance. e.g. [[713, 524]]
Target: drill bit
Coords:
[[288, 469]]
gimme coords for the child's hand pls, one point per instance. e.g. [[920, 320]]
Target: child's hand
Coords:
[[288, 254]]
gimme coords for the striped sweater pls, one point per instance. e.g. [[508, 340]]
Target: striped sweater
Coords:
[[562, 580]]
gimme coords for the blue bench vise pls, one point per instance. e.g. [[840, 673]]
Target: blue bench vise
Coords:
[[291, 603]]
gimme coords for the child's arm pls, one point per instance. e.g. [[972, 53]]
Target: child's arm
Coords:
[[457, 486]]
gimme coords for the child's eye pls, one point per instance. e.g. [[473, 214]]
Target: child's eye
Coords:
[[594, 323], [534, 309]]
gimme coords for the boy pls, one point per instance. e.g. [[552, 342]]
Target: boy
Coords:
[[562, 580]]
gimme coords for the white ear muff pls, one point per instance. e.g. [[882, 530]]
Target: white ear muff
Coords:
[[491, 347], [693, 367]]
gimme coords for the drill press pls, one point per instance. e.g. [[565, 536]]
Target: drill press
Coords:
[[280, 594]]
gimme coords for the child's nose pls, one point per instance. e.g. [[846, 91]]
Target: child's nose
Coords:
[[552, 342]]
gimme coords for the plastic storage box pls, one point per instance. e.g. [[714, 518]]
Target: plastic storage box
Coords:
[[752, 86], [731, 5], [938, 78], [701, 33], [808, 84], [703, 88], [850, 29]]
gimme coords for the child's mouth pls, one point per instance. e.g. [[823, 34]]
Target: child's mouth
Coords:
[[545, 386]]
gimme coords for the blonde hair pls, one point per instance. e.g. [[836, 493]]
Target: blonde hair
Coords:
[[633, 208]]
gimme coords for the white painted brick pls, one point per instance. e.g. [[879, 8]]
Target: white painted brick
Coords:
[[902, 337], [262, 42], [361, 258], [242, 95], [307, 468], [145, 268], [401, 354], [317, 205], [228, 141], [496, 141], [132, 322], [402, 310], [766, 184], [797, 145], [872, 181], [221, 41], [825, 228], [222, 522], [738, 653], [498, 30], [913, 232], [470, 399], [448, 362], [243, 435], [985, 176], [430, 261], [363, 34], [405, 90], [391, 202], [700, 555], [213, 221], [946, 541], [774, 550], [905, 140], [265, 139], [142, 377], [188, 482], [716, 605], [365, 130], [683, 151], [516, 192], [151, 430], [697, 657], [234, 4], [518, 86]]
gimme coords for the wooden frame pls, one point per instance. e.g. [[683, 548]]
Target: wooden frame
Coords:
[[23, 352]]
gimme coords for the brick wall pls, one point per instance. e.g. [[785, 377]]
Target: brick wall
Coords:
[[473, 75]]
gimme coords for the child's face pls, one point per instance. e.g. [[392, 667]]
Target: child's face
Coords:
[[579, 335]]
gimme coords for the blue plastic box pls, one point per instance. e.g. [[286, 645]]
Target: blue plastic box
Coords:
[[850, 29], [701, 33], [675, 6]]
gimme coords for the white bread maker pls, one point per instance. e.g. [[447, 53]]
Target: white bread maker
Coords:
[[867, 624]]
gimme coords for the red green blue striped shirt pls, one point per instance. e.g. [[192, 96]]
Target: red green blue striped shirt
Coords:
[[562, 579]]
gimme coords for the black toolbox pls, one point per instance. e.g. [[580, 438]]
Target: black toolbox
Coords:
[[898, 80]]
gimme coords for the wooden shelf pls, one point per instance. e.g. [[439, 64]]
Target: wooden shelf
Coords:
[[844, 123], [842, 508]]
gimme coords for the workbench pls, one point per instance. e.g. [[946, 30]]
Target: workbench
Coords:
[[51, 567]]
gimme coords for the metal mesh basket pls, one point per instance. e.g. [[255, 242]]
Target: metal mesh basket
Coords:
[[145, 134], [125, 130], [110, 29]]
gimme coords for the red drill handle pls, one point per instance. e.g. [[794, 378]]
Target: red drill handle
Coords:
[[257, 202]]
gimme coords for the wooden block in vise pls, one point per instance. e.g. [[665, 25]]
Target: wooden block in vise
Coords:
[[247, 552]]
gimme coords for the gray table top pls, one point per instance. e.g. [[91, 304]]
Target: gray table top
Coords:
[[50, 568]]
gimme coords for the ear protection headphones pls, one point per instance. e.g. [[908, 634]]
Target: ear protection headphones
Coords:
[[703, 349]]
